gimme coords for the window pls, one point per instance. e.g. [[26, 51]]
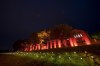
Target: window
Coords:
[[77, 35]]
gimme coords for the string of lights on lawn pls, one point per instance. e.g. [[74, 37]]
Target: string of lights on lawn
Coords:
[[83, 59]]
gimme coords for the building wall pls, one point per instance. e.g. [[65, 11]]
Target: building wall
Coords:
[[77, 38]]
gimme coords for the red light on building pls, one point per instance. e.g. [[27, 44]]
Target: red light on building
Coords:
[[50, 44], [59, 43], [54, 43], [64, 42], [47, 46], [31, 48], [76, 38], [71, 42]]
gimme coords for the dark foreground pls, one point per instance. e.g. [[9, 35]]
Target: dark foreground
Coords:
[[12, 60]]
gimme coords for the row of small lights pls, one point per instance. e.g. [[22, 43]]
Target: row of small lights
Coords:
[[44, 54]]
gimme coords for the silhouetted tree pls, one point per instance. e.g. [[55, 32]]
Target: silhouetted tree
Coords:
[[18, 45], [34, 38], [60, 31], [96, 35]]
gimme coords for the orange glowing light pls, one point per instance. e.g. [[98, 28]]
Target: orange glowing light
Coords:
[[54, 43], [59, 43], [51, 44]]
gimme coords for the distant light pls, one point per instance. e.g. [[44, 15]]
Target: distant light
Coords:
[[37, 56], [23, 54], [74, 52], [69, 57], [59, 56], [74, 36], [66, 53], [43, 53], [92, 56], [85, 51], [26, 53], [47, 53], [41, 56], [79, 35], [80, 58]]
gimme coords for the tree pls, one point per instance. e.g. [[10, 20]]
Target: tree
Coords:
[[60, 31], [43, 36], [34, 38], [18, 45], [96, 35]]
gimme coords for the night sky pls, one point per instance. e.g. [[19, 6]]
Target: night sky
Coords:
[[19, 18]]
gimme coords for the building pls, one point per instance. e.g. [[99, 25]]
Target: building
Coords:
[[62, 36]]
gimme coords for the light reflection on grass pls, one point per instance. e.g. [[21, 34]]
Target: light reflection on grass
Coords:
[[66, 58]]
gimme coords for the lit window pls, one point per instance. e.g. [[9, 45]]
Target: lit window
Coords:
[[74, 36], [80, 35]]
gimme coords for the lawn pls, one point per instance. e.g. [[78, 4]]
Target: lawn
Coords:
[[49, 59]]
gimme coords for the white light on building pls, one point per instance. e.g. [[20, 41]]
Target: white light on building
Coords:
[[74, 36], [81, 35]]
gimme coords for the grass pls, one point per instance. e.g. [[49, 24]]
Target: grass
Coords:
[[13, 60], [49, 59], [76, 56]]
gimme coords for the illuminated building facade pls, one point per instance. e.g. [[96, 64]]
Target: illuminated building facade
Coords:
[[76, 38]]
